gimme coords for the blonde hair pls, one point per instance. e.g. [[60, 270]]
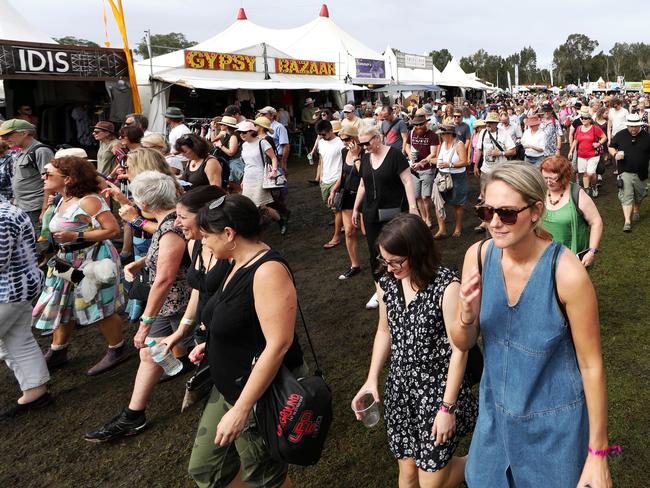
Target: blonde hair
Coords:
[[369, 131], [526, 180], [143, 159], [157, 140]]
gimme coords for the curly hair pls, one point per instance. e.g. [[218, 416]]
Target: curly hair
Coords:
[[559, 165], [81, 172]]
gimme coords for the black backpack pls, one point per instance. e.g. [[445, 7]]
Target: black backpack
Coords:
[[31, 154]]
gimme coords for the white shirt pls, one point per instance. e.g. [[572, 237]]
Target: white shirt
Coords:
[[330, 153], [618, 119], [538, 139], [253, 162], [485, 145], [175, 134]]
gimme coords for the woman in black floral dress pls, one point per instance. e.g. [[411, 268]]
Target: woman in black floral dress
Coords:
[[428, 402]]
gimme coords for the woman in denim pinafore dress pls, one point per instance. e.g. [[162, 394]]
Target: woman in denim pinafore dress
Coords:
[[533, 428]]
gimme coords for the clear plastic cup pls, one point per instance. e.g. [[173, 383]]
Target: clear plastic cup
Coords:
[[369, 410]]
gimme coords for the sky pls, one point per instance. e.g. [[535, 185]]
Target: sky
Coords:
[[414, 26]]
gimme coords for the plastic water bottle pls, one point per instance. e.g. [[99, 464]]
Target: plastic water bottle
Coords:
[[168, 362], [310, 158]]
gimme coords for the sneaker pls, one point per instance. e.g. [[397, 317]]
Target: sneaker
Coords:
[[113, 357], [354, 270], [373, 302], [120, 426], [282, 223], [636, 217], [56, 359], [599, 180], [594, 191], [627, 227], [20, 408]]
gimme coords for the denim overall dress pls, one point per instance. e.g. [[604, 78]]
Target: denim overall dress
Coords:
[[532, 430]]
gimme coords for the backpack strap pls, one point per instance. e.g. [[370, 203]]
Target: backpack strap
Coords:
[[31, 155]]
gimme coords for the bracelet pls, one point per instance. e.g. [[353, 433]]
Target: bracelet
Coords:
[[413, 206], [145, 319], [467, 324], [593, 250], [443, 409], [188, 322], [614, 449], [80, 237]]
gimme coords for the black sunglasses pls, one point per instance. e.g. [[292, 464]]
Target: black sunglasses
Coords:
[[364, 144], [217, 203], [507, 215], [344, 139]]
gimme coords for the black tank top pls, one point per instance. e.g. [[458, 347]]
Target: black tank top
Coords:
[[198, 177], [208, 282], [235, 336]]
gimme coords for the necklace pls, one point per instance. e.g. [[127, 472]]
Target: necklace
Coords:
[[550, 200]]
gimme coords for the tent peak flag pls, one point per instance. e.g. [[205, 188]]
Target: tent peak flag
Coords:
[[241, 14], [324, 12]]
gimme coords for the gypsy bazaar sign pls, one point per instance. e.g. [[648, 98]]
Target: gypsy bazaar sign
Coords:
[[53, 61], [302, 67], [219, 61]]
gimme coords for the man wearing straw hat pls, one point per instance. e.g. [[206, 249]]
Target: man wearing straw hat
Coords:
[[280, 135]]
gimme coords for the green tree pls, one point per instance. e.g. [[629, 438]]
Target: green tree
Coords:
[[163, 43], [440, 58], [572, 59], [75, 41]]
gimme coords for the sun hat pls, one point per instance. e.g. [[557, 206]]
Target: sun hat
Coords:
[[105, 126], [492, 117], [419, 118], [265, 123], [267, 110], [336, 126], [228, 121], [532, 120], [479, 123], [76, 152], [584, 112], [633, 120], [447, 129], [349, 131], [174, 113], [427, 109], [12, 125], [309, 100], [246, 126]]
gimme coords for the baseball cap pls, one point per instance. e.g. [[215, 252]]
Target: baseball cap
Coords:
[[13, 125], [348, 108], [268, 110]]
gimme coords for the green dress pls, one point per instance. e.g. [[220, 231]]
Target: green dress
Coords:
[[567, 226]]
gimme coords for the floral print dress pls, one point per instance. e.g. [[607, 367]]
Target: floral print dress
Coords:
[[417, 377]]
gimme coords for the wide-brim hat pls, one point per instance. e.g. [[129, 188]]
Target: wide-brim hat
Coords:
[[584, 112], [308, 101], [174, 113], [479, 123], [419, 119], [267, 110], [349, 131], [492, 117], [228, 121], [336, 126], [533, 120], [105, 126], [12, 125], [447, 129], [427, 109], [633, 120], [246, 126], [265, 123]]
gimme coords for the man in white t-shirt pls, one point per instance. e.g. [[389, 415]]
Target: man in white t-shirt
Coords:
[[495, 145], [177, 128], [617, 117], [329, 148]]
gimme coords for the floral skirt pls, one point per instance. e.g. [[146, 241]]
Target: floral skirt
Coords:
[[60, 301]]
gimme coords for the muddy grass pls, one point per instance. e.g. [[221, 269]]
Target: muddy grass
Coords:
[[46, 448]]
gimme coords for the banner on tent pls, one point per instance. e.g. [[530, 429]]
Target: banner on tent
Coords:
[[303, 67], [370, 68], [219, 61], [646, 86], [413, 61], [27, 60]]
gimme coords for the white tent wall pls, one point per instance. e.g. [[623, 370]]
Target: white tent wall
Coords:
[[14, 27], [409, 76]]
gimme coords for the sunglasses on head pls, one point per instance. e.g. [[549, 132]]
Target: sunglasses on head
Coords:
[[508, 216], [217, 203]]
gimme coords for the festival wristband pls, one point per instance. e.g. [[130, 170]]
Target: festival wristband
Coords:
[[614, 449], [443, 409], [188, 322], [145, 319], [594, 250], [413, 207]]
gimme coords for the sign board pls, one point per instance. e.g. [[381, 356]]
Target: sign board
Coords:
[[633, 85], [27, 60], [646, 86], [370, 68], [219, 61], [413, 61], [303, 67]]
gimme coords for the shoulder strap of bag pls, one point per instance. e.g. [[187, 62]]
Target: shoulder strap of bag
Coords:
[[479, 255], [390, 127], [31, 155], [556, 254], [494, 141], [263, 156], [575, 197]]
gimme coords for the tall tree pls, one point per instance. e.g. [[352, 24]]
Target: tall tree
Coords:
[[440, 58], [75, 41], [572, 59], [162, 44]]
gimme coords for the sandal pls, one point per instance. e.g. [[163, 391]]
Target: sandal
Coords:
[[330, 245], [456, 234], [440, 235]]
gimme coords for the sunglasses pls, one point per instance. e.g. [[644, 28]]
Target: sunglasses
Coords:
[[396, 264], [217, 203], [508, 216], [365, 144], [46, 174], [344, 139], [552, 179]]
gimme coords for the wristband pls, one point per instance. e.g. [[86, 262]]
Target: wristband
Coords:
[[593, 250], [80, 236], [145, 319], [443, 409], [188, 322], [467, 324], [614, 449]]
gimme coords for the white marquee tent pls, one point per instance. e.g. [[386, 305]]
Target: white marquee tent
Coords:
[[453, 75], [15, 27], [409, 76]]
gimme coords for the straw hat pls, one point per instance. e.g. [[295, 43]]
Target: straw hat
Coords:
[[584, 112], [228, 121], [447, 129], [479, 123], [633, 120], [336, 126], [265, 123], [349, 131], [492, 117]]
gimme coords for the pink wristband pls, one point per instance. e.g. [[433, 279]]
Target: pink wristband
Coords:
[[443, 409], [614, 449]]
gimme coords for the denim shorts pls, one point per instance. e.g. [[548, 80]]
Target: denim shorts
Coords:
[[458, 194], [236, 170]]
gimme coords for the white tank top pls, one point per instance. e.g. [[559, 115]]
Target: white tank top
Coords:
[[449, 156]]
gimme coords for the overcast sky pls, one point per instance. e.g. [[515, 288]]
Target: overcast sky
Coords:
[[415, 26]]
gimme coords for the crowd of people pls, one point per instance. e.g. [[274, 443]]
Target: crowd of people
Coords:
[[195, 274]]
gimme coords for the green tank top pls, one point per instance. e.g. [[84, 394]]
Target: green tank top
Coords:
[[567, 226]]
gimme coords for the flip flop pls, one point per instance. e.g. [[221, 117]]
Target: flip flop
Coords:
[[330, 245], [456, 234], [439, 236]]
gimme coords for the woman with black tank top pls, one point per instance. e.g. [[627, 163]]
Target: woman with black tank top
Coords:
[[250, 317], [202, 169]]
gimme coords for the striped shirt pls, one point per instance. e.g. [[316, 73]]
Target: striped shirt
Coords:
[[20, 278]]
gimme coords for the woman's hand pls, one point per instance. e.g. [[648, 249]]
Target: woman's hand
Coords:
[[355, 149], [231, 426], [469, 297], [368, 387], [569, 155], [443, 165], [131, 269], [114, 192], [141, 335], [595, 473], [477, 171], [330, 199], [355, 217], [50, 200], [444, 427], [196, 356], [128, 213], [588, 259], [65, 236], [171, 340]]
